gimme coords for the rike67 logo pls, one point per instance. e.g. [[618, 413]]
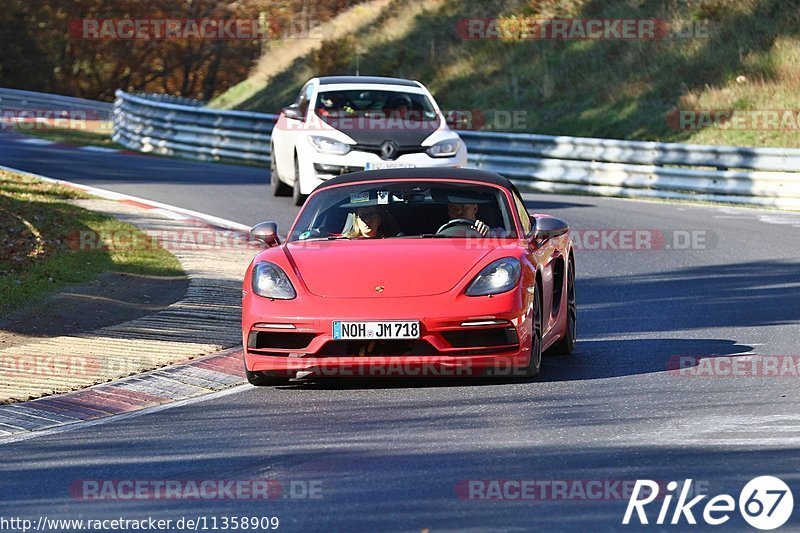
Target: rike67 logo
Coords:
[[765, 503]]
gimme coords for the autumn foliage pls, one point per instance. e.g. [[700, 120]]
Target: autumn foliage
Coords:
[[39, 52]]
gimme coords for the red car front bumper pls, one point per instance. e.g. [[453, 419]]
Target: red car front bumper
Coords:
[[468, 336]]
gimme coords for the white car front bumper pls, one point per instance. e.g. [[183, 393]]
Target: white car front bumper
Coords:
[[315, 168]]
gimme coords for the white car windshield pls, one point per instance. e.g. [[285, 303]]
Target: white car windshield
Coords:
[[404, 210], [375, 104]]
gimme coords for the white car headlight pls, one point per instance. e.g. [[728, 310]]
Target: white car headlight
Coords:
[[446, 148], [326, 145], [270, 281], [498, 276]]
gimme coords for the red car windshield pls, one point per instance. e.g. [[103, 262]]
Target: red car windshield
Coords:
[[405, 210]]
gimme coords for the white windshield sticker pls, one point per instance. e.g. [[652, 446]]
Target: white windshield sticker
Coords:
[[383, 197]]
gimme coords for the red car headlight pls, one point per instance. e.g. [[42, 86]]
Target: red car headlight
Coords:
[[498, 276], [270, 281]]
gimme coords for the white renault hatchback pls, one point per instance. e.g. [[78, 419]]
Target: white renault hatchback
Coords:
[[341, 124]]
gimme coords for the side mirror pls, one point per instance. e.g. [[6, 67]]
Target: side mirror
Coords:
[[549, 228], [266, 232], [293, 112]]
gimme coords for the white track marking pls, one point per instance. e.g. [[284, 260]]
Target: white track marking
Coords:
[[101, 149], [111, 195], [170, 214], [38, 142]]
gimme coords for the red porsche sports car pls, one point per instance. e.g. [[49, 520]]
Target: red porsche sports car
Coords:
[[412, 272]]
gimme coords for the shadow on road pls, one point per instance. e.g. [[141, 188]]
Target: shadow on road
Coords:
[[740, 295]]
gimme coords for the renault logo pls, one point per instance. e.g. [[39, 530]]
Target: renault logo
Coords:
[[388, 149], [379, 288]]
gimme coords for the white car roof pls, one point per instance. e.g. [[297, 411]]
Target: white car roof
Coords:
[[373, 87], [377, 83]]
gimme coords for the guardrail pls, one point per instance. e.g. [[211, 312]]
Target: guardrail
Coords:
[[149, 124], [16, 101], [755, 176]]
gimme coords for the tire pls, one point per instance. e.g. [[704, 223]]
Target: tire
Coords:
[[259, 379], [566, 345], [279, 188], [535, 362], [298, 198]]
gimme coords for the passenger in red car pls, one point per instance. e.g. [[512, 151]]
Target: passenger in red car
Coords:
[[366, 224], [371, 222]]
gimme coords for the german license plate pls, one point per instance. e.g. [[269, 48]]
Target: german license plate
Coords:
[[404, 329], [369, 165]]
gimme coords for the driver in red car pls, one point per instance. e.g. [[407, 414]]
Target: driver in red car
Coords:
[[468, 211]]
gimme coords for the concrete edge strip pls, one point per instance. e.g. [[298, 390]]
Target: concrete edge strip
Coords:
[[170, 385], [155, 389], [7, 437]]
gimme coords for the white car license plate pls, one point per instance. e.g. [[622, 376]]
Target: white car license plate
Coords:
[[380, 165], [405, 329]]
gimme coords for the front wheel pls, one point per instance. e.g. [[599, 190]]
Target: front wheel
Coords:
[[535, 362], [298, 197], [279, 188], [566, 345]]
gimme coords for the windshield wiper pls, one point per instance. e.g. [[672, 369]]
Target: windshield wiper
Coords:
[[425, 236], [328, 238]]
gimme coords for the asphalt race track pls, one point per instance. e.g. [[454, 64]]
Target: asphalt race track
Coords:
[[396, 455]]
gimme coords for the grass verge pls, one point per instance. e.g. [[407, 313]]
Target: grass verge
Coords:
[[100, 136], [38, 253], [725, 57]]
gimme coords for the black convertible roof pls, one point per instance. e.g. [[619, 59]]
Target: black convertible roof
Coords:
[[468, 174], [367, 80]]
